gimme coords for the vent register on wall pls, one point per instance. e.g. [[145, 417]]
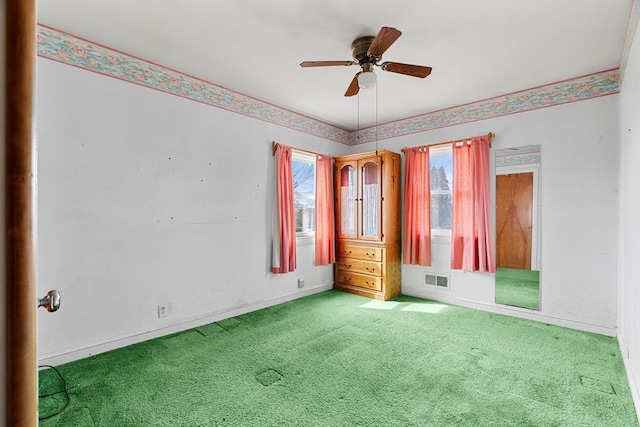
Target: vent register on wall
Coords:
[[368, 224], [431, 279]]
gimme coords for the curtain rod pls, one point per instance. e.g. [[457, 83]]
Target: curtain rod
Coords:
[[276, 144], [491, 135]]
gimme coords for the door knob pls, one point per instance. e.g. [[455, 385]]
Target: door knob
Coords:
[[51, 301]]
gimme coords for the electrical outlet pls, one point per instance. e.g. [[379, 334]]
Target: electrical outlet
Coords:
[[163, 310], [300, 283]]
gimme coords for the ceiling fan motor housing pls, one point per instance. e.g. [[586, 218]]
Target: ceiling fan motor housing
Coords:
[[360, 51]]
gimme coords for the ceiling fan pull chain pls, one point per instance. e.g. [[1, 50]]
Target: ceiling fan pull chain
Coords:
[[358, 133], [376, 120]]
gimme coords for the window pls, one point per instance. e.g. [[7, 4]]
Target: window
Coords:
[[441, 177], [304, 188]]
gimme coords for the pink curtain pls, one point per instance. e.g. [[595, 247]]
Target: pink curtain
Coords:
[[472, 247], [416, 247], [284, 235], [325, 214]]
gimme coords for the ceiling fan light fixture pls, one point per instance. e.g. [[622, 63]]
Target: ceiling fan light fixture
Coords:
[[367, 80]]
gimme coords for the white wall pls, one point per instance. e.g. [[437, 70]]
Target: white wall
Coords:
[[629, 265], [2, 230], [146, 198], [579, 157]]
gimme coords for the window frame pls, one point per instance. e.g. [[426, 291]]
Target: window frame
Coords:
[[438, 151], [304, 157]]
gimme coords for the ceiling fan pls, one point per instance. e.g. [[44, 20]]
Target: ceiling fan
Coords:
[[367, 51]]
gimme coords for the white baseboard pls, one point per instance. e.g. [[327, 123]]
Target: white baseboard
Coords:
[[633, 384], [609, 330], [71, 354]]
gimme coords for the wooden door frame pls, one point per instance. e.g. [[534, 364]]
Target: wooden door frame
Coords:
[[21, 405], [535, 236]]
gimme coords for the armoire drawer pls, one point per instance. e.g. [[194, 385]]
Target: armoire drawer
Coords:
[[359, 252], [361, 280], [359, 266]]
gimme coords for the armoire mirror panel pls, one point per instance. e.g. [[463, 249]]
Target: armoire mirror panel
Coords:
[[518, 227]]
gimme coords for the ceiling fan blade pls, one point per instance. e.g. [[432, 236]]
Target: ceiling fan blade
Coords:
[[306, 64], [385, 38], [406, 69], [353, 88]]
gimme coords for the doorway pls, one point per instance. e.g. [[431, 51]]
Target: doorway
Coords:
[[514, 216]]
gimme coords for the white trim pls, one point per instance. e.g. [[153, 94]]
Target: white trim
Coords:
[[305, 239], [622, 343], [302, 156], [581, 325], [80, 352], [441, 149], [441, 239], [441, 232], [633, 384], [535, 212]]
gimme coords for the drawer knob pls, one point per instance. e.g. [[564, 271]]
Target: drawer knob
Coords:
[[371, 255], [369, 268], [347, 252], [347, 265]]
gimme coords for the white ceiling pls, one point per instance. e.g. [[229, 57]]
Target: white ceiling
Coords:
[[478, 48]]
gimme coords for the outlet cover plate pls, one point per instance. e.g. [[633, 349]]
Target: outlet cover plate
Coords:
[[163, 310]]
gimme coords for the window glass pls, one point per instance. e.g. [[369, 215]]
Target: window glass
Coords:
[[441, 177], [370, 200], [304, 188]]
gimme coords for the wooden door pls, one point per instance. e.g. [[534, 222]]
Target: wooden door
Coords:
[[20, 354], [514, 212]]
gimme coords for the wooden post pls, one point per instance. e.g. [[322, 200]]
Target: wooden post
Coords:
[[20, 336]]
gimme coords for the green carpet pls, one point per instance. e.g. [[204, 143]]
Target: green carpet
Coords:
[[336, 359], [520, 288]]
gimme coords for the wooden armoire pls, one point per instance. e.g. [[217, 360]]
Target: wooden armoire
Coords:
[[368, 224]]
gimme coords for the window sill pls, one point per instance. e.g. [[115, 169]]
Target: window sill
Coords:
[[441, 239], [305, 240]]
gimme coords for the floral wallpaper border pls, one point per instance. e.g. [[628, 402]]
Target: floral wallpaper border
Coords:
[[68, 49], [518, 159], [591, 86]]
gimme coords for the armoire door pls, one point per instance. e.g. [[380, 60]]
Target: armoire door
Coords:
[[346, 200], [370, 199]]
